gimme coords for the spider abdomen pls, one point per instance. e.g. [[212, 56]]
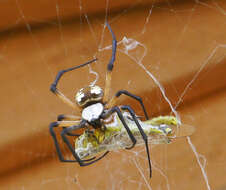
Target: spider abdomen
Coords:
[[89, 95]]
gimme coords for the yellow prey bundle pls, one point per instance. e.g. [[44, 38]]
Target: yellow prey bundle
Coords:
[[160, 130]]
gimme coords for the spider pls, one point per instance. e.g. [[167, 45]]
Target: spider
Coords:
[[95, 106]]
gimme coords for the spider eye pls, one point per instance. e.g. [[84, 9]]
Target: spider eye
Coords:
[[88, 95]]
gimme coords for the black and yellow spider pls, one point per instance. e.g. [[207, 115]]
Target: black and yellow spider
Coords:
[[95, 106]]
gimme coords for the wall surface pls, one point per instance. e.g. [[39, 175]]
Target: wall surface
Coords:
[[182, 44]]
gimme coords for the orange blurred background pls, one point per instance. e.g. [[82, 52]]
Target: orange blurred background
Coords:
[[182, 43]]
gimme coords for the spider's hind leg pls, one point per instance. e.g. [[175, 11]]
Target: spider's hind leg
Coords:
[[57, 92], [110, 66]]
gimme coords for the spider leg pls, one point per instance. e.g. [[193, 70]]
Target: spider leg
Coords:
[[81, 162], [59, 153], [111, 103], [52, 132], [119, 113], [72, 134], [144, 136], [110, 66], [67, 117], [70, 118], [59, 94]]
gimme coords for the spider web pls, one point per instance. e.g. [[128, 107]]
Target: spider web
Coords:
[[151, 47]]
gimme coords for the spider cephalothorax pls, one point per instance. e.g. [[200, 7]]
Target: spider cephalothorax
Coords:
[[96, 107]]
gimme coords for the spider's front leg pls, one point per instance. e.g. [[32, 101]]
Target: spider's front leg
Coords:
[[112, 102], [52, 132], [119, 113], [65, 139], [144, 136], [69, 126], [62, 117]]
